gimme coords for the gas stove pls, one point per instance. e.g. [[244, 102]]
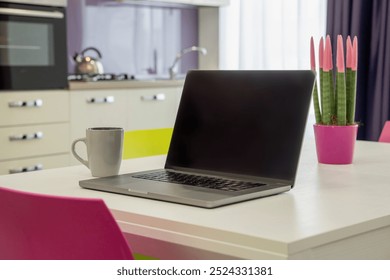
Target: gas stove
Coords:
[[99, 77]]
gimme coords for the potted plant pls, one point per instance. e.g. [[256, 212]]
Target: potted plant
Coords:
[[334, 101]]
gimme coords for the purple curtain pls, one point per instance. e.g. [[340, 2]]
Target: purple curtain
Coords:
[[370, 22]]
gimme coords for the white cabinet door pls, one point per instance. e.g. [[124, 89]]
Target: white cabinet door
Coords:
[[21, 108], [93, 108], [33, 140], [152, 108], [33, 164]]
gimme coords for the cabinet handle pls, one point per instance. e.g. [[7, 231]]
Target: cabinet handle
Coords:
[[26, 169], [96, 100], [27, 104], [25, 137], [155, 97]]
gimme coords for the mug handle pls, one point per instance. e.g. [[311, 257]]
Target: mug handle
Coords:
[[80, 159]]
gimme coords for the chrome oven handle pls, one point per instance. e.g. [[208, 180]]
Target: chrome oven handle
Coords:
[[18, 104], [30, 13], [26, 169]]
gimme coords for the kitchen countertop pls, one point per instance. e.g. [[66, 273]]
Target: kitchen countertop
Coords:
[[79, 85]]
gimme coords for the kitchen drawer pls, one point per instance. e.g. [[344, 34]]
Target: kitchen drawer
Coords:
[[152, 108], [32, 107], [31, 164], [92, 108], [37, 140]]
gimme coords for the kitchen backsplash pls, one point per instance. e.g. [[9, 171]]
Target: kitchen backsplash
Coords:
[[133, 39]]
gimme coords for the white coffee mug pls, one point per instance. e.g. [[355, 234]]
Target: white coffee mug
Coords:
[[104, 150]]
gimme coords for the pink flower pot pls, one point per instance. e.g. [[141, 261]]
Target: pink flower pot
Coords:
[[335, 144]]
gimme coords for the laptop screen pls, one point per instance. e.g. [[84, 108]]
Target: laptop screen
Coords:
[[242, 122]]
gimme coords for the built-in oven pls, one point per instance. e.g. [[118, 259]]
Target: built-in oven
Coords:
[[33, 53]]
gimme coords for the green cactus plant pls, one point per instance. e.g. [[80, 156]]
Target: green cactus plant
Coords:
[[334, 103]]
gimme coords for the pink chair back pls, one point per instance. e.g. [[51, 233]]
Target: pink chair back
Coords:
[[44, 227], [385, 135]]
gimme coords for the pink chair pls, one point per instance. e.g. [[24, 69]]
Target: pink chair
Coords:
[[385, 135], [45, 227]]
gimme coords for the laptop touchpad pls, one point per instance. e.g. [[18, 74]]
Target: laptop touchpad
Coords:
[[170, 189]]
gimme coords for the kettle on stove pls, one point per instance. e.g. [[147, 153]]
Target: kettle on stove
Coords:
[[87, 64]]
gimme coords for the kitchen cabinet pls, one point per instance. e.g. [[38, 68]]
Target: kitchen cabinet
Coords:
[[34, 130], [152, 108], [31, 107], [34, 140], [130, 108], [34, 164], [93, 108], [38, 127], [90, 108]]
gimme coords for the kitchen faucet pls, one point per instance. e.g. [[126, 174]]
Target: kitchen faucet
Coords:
[[173, 69]]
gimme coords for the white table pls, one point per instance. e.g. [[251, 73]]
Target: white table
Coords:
[[333, 212]]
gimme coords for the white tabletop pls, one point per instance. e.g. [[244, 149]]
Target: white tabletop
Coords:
[[333, 211]]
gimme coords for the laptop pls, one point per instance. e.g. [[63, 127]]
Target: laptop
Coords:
[[237, 137]]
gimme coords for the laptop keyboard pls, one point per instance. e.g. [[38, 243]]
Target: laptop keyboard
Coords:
[[199, 181]]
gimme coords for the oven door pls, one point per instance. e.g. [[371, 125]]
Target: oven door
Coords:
[[32, 47]]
